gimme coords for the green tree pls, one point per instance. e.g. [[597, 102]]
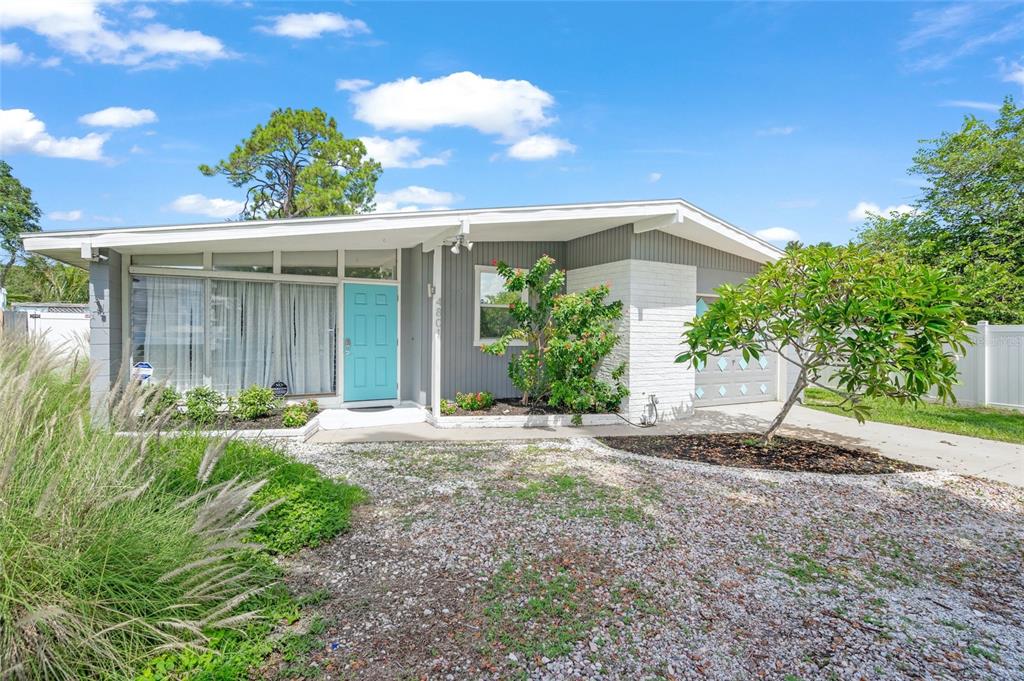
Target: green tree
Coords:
[[970, 218], [300, 165], [18, 214], [850, 320], [567, 336]]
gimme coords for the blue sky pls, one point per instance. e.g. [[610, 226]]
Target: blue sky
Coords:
[[774, 116]]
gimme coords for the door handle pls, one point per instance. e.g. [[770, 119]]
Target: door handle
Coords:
[[348, 345]]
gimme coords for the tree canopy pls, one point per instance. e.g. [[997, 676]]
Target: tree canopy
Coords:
[[18, 214], [300, 165], [970, 219], [853, 321]]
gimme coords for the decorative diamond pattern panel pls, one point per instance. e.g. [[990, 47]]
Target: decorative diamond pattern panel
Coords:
[[763, 361], [742, 362], [698, 365], [699, 392], [721, 390], [723, 364], [764, 389], [743, 389]]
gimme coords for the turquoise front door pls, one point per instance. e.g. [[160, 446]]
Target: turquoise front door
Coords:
[[370, 342]]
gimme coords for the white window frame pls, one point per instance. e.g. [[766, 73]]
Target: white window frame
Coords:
[[477, 340]]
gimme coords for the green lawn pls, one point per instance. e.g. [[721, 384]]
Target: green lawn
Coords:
[[984, 422]]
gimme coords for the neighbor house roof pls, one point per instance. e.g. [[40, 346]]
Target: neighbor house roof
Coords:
[[406, 229]]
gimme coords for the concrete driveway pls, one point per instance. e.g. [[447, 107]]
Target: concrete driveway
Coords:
[[1000, 461]]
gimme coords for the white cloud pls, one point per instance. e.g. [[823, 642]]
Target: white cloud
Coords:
[[198, 204], [970, 104], [143, 12], [1012, 72], [65, 215], [863, 209], [780, 234], [950, 32], [314, 25], [81, 29], [21, 131], [653, 177], [136, 149], [409, 199], [118, 117], [511, 109], [537, 147], [352, 84], [10, 53], [401, 152], [777, 131]]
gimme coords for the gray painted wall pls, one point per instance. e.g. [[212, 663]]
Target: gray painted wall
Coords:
[[105, 325], [463, 366], [412, 309]]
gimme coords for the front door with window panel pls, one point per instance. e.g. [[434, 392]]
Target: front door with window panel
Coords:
[[370, 342]]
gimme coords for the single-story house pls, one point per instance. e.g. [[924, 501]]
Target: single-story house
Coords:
[[391, 308]]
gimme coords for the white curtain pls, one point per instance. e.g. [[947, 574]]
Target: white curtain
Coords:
[[308, 316], [241, 335], [172, 337]]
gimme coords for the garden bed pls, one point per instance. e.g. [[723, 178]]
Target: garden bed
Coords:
[[744, 450], [510, 406]]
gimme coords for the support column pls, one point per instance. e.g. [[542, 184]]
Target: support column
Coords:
[[105, 331], [982, 346], [435, 342]]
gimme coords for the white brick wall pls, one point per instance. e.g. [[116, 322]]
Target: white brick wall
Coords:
[[658, 299]]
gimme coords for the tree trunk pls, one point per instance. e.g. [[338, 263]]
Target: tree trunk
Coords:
[[801, 383]]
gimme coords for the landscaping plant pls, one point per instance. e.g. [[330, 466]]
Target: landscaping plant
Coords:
[[101, 565], [163, 402], [567, 336], [295, 416], [448, 408], [252, 403], [202, 404], [474, 401], [857, 323]]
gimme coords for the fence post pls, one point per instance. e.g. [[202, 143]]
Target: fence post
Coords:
[[982, 346]]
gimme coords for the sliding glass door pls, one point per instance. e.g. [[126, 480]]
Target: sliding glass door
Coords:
[[233, 333]]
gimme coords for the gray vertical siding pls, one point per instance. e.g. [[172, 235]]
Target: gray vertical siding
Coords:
[[611, 245], [463, 366], [412, 308], [105, 329]]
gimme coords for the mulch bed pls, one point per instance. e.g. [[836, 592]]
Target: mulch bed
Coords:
[[743, 450], [274, 421], [510, 406]]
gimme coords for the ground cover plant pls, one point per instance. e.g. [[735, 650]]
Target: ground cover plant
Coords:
[[122, 556], [568, 337], [851, 321], [984, 422]]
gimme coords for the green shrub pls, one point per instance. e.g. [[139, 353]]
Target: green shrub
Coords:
[[252, 403], [201, 405], [163, 400], [100, 562], [295, 416], [448, 408], [312, 407], [474, 401], [312, 508]]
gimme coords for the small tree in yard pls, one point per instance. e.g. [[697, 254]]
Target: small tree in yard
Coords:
[[566, 335], [854, 322]]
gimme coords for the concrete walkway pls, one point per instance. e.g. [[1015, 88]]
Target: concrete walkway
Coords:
[[1000, 461]]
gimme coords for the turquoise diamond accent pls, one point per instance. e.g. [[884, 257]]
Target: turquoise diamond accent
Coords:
[[764, 389], [702, 307], [699, 392], [742, 362], [763, 361], [698, 364], [723, 363], [721, 390], [743, 389]]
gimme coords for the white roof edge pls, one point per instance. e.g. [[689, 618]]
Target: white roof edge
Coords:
[[398, 220]]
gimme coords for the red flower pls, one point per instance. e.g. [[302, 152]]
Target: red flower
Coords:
[[494, 262]]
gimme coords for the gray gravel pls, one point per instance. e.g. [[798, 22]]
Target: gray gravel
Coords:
[[569, 560]]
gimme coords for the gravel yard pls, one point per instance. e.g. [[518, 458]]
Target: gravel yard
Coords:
[[571, 560]]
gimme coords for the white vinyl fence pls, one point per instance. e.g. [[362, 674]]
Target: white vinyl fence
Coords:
[[65, 327], [992, 371]]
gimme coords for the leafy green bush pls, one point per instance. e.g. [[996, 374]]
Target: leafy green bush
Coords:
[[474, 401], [567, 338], [164, 400], [100, 562], [295, 416], [201, 405], [448, 408], [311, 508], [312, 407], [252, 403]]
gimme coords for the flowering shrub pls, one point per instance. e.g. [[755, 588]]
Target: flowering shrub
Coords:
[[295, 416], [567, 336], [448, 408], [474, 401]]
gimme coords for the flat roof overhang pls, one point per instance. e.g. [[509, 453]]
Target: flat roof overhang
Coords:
[[405, 230]]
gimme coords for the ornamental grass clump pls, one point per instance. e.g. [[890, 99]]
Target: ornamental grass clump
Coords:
[[102, 566]]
